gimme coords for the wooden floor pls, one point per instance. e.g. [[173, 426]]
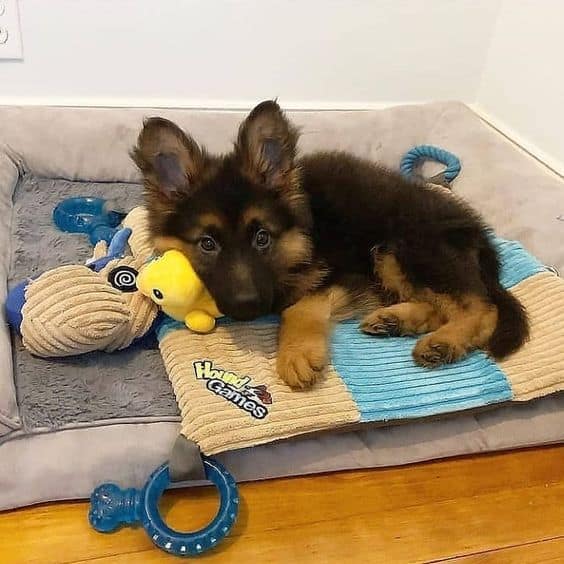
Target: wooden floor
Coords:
[[495, 508]]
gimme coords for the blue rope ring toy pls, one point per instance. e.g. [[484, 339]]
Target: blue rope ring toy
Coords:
[[111, 507], [428, 152]]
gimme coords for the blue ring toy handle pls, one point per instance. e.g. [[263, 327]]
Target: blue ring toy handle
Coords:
[[429, 152], [111, 507], [87, 215]]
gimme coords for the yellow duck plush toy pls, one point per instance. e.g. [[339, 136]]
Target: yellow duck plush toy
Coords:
[[171, 282]]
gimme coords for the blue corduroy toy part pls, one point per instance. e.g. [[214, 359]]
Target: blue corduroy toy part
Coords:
[[430, 153], [111, 508], [116, 249]]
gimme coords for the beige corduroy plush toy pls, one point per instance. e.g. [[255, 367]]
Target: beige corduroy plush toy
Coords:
[[76, 309]]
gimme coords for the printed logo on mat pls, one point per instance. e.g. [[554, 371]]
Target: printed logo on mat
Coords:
[[234, 388]]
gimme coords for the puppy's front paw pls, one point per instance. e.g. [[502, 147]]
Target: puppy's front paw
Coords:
[[301, 363]]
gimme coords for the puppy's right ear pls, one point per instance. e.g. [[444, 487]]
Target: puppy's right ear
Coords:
[[169, 159]]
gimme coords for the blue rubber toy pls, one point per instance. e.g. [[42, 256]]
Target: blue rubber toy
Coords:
[[428, 152], [87, 215], [111, 507]]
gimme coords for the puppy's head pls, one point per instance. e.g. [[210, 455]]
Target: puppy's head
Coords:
[[241, 219]]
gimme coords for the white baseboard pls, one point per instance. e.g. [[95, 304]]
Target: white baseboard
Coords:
[[221, 105], [555, 164]]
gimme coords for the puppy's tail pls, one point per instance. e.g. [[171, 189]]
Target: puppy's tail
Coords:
[[512, 329]]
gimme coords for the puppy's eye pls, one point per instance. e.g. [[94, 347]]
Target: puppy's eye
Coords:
[[208, 244], [158, 294], [262, 239]]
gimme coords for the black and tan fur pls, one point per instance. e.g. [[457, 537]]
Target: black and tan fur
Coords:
[[323, 237]]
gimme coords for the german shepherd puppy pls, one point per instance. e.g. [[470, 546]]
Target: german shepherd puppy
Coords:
[[324, 237]]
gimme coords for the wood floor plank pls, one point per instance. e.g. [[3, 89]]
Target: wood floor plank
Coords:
[[542, 552], [425, 512], [423, 535], [547, 552]]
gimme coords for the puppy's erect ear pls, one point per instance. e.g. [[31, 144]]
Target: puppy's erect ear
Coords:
[[169, 159], [266, 146]]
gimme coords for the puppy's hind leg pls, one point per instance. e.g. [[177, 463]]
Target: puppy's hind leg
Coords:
[[461, 319], [406, 318], [470, 326]]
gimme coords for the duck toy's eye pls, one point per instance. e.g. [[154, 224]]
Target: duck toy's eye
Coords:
[[158, 294]]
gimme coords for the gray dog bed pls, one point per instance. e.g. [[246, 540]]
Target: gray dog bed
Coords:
[[68, 424]]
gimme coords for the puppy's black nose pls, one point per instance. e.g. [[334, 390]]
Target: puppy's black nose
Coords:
[[246, 305]]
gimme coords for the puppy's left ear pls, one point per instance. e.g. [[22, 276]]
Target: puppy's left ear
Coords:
[[266, 146]]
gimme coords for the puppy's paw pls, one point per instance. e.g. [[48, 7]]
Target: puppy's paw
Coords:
[[300, 364], [431, 353], [381, 324]]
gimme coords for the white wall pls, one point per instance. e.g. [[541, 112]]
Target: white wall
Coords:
[[522, 88], [310, 53], [504, 55]]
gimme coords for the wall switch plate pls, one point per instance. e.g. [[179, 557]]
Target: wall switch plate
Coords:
[[10, 32]]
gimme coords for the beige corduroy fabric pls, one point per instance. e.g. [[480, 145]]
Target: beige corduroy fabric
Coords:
[[140, 240], [71, 310], [249, 351], [537, 369]]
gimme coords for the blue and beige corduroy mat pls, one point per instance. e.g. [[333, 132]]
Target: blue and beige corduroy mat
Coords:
[[230, 396]]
